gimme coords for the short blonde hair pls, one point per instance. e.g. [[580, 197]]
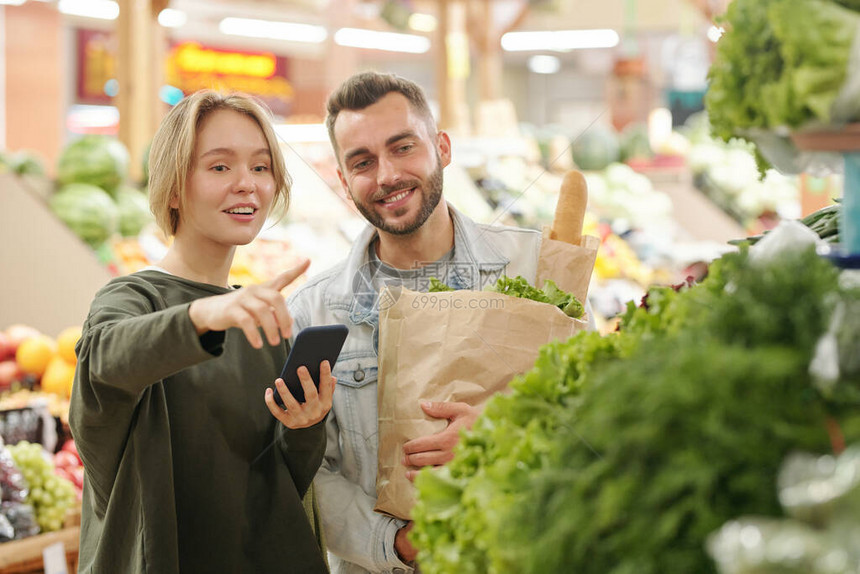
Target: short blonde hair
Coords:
[[171, 156]]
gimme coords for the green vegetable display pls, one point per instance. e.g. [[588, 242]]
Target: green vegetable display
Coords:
[[622, 454], [780, 63], [824, 222]]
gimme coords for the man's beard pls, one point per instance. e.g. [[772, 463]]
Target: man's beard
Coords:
[[430, 197]]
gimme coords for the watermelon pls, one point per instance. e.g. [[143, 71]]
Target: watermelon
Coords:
[[87, 210], [94, 159], [635, 144], [595, 149], [134, 212], [26, 163]]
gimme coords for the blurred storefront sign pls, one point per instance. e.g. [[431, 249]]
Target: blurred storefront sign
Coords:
[[190, 66]]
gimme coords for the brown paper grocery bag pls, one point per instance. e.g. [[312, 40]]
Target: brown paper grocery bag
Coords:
[[454, 346], [570, 266]]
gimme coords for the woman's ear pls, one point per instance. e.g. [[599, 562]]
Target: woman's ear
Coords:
[[174, 201]]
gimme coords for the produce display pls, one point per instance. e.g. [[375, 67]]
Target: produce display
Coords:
[[629, 200], [820, 494], [21, 162], [96, 160], [68, 465], [87, 210], [133, 210], [93, 196], [36, 375], [50, 495], [17, 518], [783, 64], [624, 453], [595, 149], [728, 174], [31, 358], [824, 222]]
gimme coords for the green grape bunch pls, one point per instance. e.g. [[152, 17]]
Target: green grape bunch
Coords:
[[50, 495]]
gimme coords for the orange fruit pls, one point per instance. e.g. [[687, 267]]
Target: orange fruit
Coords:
[[58, 377], [66, 341], [34, 354]]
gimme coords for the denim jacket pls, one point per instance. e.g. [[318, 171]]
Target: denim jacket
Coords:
[[359, 539]]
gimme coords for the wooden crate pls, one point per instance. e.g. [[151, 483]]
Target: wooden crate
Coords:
[[25, 556]]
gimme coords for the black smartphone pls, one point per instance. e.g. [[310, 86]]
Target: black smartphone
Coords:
[[313, 345]]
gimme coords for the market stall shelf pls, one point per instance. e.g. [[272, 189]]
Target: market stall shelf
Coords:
[[25, 556], [50, 274]]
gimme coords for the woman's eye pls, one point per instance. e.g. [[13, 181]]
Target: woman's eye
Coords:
[[261, 168], [219, 167]]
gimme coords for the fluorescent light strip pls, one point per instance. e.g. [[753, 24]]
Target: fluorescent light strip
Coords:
[[83, 116], [388, 41], [11, 2], [170, 18], [99, 9], [559, 40], [288, 31]]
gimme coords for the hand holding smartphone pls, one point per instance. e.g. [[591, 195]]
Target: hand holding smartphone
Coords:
[[313, 345]]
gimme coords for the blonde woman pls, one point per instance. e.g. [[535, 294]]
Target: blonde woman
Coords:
[[190, 464]]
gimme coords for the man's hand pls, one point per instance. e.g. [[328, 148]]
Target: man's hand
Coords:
[[437, 449], [403, 547], [249, 308]]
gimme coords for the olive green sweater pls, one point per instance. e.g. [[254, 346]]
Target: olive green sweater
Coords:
[[186, 469]]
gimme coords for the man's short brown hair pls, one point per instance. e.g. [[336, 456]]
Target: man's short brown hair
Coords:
[[365, 89]]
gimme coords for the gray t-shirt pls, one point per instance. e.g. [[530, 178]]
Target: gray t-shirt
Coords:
[[381, 274]]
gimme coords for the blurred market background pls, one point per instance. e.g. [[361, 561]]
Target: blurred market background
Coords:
[[526, 89]]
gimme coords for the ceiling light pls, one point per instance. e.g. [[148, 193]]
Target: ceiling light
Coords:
[[389, 41], [100, 9], [422, 22], [12, 2], [544, 64], [288, 31], [560, 40], [170, 18]]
